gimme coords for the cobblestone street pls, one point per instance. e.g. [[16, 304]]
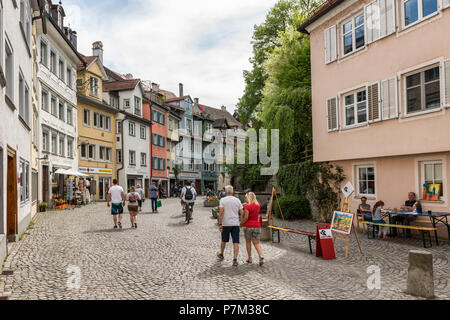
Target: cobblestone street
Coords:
[[166, 259]]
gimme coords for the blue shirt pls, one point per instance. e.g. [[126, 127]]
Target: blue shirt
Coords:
[[153, 192]]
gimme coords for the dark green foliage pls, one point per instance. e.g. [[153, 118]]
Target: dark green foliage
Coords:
[[293, 207]]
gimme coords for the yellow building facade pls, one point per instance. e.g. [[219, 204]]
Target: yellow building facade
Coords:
[[96, 129]]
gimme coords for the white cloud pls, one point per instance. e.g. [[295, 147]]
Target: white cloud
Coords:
[[203, 44]]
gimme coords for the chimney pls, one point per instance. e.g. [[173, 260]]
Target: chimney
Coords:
[[97, 50], [224, 109], [155, 87], [196, 100], [181, 93], [128, 76]]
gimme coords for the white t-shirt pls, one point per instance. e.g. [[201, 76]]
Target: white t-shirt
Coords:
[[116, 194], [231, 207], [194, 194]]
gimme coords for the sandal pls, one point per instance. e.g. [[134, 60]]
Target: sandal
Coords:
[[220, 256], [249, 261], [261, 262], [235, 263]]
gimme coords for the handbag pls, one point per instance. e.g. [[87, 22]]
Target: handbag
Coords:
[[158, 204]]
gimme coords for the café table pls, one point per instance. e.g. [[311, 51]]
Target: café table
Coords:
[[435, 218]]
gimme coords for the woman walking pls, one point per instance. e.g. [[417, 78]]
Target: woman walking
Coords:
[[252, 224], [133, 197], [142, 195]]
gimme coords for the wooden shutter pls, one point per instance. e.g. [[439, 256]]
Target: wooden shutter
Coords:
[[446, 72], [373, 102], [389, 105], [332, 114], [330, 44]]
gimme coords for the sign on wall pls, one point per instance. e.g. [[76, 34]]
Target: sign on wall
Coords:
[[91, 170]]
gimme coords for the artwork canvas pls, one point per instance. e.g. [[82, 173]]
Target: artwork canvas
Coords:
[[342, 222], [431, 191]]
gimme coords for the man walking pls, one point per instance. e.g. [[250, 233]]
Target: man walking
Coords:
[[229, 224], [116, 195], [153, 191], [188, 197]]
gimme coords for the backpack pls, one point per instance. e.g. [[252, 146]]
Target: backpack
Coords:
[[132, 197], [188, 195]]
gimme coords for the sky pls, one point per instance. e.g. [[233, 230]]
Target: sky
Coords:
[[204, 44]]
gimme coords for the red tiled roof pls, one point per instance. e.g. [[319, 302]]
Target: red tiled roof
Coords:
[[176, 99], [167, 94], [114, 75], [319, 12], [122, 85]]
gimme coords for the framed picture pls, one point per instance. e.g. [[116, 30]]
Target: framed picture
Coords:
[[342, 222]]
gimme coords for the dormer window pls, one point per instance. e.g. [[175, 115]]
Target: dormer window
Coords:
[[94, 86]]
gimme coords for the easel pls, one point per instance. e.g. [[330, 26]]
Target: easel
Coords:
[[270, 206], [346, 205]]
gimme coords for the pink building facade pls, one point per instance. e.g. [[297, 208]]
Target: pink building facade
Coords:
[[381, 96]]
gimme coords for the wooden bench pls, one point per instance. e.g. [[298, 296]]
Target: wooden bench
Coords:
[[310, 235], [423, 230]]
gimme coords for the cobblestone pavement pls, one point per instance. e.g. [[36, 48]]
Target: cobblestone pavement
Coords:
[[166, 259]]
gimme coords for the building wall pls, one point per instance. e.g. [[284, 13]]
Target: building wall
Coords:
[[13, 132], [157, 151], [393, 56]]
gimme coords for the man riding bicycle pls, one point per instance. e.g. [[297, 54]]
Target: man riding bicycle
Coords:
[[188, 196]]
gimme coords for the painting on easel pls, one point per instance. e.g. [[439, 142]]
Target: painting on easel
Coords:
[[342, 222]]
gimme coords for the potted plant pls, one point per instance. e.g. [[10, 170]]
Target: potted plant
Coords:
[[43, 206], [419, 207], [211, 202]]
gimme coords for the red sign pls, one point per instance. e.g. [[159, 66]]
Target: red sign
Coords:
[[324, 242]]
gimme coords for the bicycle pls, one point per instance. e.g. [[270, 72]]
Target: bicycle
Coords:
[[188, 211]]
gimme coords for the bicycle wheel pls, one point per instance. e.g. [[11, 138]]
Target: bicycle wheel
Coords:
[[188, 213]]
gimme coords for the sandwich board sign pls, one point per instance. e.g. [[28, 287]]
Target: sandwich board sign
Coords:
[[348, 190], [324, 242]]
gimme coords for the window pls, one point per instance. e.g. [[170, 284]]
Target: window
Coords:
[[119, 156], [96, 120], [126, 103], [44, 100], [132, 158], [416, 10], [355, 108], [118, 126], [366, 180], [143, 132], [143, 159], [353, 34], [70, 148], [423, 91], [24, 181], [108, 154], [61, 112], [87, 117], [114, 102], [94, 86], [170, 125], [69, 115], [53, 62], [35, 128], [91, 150], [131, 129], [61, 70], [24, 100], [69, 77], [61, 146], [137, 106], [107, 123], [432, 174], [45, 141], [9, 72], [44, 53], [189, 126], [53, 106], [102, 153], [83, 149], [54, 144]]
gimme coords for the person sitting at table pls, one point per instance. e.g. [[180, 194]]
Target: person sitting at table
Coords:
[[364, 209], [409, 205], [377, 218]]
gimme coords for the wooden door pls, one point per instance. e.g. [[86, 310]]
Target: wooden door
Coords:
[[45, 184], [11, 187]]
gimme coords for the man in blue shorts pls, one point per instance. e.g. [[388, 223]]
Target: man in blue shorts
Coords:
[[229, 224], [116, 196]]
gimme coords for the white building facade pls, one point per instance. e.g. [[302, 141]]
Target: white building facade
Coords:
[[58, 59], [15, 127]]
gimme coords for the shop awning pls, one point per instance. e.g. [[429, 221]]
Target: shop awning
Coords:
[[70, 173]]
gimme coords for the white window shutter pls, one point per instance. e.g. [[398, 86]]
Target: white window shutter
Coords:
[[446, 72], [383, 17], [390, 17], [380, 19], [373, 102], [372, 14], [389, 102], [332, 114], [330, 44]]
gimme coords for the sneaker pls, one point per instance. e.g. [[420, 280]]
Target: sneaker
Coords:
[[120, 225], [115, 227], [235, 263], [220, 256], [135, 225]]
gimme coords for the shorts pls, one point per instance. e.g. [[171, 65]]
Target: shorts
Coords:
[[234, 231], [252, 233], [116, 208], [133, 208], [184, 202]]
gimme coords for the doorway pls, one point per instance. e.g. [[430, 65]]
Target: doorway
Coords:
[[104, 183], [45, 184], [11, 187]]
